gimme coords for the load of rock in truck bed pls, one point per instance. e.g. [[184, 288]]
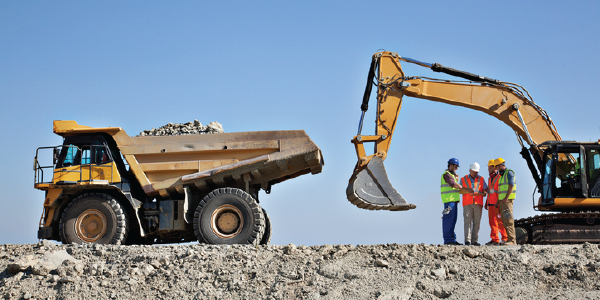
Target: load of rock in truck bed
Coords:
[[184, 128]]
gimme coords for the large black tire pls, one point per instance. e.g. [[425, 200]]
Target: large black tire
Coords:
[[94, 218], [266, 238], [229, 216]]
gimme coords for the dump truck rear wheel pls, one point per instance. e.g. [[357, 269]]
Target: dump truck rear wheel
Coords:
[[266, 238], [229, 216], [93, 218]]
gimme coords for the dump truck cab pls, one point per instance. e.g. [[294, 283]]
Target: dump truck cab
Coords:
[[85, 159], [103, 186], [86, 166]]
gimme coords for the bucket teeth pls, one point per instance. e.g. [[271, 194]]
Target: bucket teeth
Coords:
[[369, 188]]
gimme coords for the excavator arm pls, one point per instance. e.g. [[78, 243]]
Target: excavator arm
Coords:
[[369, 187]]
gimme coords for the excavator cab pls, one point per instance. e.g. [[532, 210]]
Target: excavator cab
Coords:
[[571, 174]]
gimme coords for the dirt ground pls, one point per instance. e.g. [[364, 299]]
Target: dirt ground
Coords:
[[50, 271]]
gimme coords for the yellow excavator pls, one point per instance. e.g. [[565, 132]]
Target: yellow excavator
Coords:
[[567, 173]]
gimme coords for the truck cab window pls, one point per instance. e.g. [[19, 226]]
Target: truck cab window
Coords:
[[85, 156], [69, 157], [101, 155], [84, 151]]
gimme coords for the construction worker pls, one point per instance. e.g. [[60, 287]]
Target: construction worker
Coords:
[[450, 192], [491, 205], [473, 204], [507, 191]]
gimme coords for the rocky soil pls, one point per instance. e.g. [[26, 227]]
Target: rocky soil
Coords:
[[184, 128], [50, 271]]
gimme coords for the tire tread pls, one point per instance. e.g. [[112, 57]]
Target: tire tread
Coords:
[[122, 223]]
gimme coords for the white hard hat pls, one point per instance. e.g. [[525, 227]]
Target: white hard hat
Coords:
[[474, 167]]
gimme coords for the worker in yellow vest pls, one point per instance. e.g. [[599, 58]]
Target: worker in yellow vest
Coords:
[[507, 192], [450, 192], [473, 204]]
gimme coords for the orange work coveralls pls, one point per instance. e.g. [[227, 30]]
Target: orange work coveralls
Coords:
[[493, 211]]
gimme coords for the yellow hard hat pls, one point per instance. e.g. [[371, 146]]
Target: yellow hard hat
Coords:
[[491, 163], [498, 161]]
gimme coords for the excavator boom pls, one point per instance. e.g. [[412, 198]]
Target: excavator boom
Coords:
[[369, 187]]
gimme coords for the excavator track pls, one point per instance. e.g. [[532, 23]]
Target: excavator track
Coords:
[[560, 228]]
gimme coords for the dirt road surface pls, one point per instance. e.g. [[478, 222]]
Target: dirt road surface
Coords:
[[52, 271]]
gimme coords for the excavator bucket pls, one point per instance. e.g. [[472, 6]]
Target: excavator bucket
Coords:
[[370, 188]]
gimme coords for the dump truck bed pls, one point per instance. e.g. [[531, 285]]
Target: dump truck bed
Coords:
[[205, 162]]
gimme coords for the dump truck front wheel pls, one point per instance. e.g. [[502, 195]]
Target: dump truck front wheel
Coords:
[[93, 218], [229, 216]]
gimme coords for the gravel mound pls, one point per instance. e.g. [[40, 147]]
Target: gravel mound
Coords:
[[184, 128], [49, 271]]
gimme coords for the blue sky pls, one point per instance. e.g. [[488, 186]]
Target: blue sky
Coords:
[[276, 66]]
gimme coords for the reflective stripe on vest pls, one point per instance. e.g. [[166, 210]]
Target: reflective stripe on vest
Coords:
[[469, 182], [493, 186], [503, 186], [449, 194]]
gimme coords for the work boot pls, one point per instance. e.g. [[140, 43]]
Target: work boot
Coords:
[[491, 243], [509, 243], [476, 244], [453, 244], [467, 243]]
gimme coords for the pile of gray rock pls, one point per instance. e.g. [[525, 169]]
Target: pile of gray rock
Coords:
[[184, 128], [50, 271]]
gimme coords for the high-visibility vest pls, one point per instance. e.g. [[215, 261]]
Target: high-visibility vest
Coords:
[[449, 194], [503, 186], [477, 185], [493, 187]]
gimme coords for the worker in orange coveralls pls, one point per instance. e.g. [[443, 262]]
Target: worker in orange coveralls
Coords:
[[491, 205]]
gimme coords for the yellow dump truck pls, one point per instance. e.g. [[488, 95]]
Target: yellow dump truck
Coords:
[[103, 186]]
